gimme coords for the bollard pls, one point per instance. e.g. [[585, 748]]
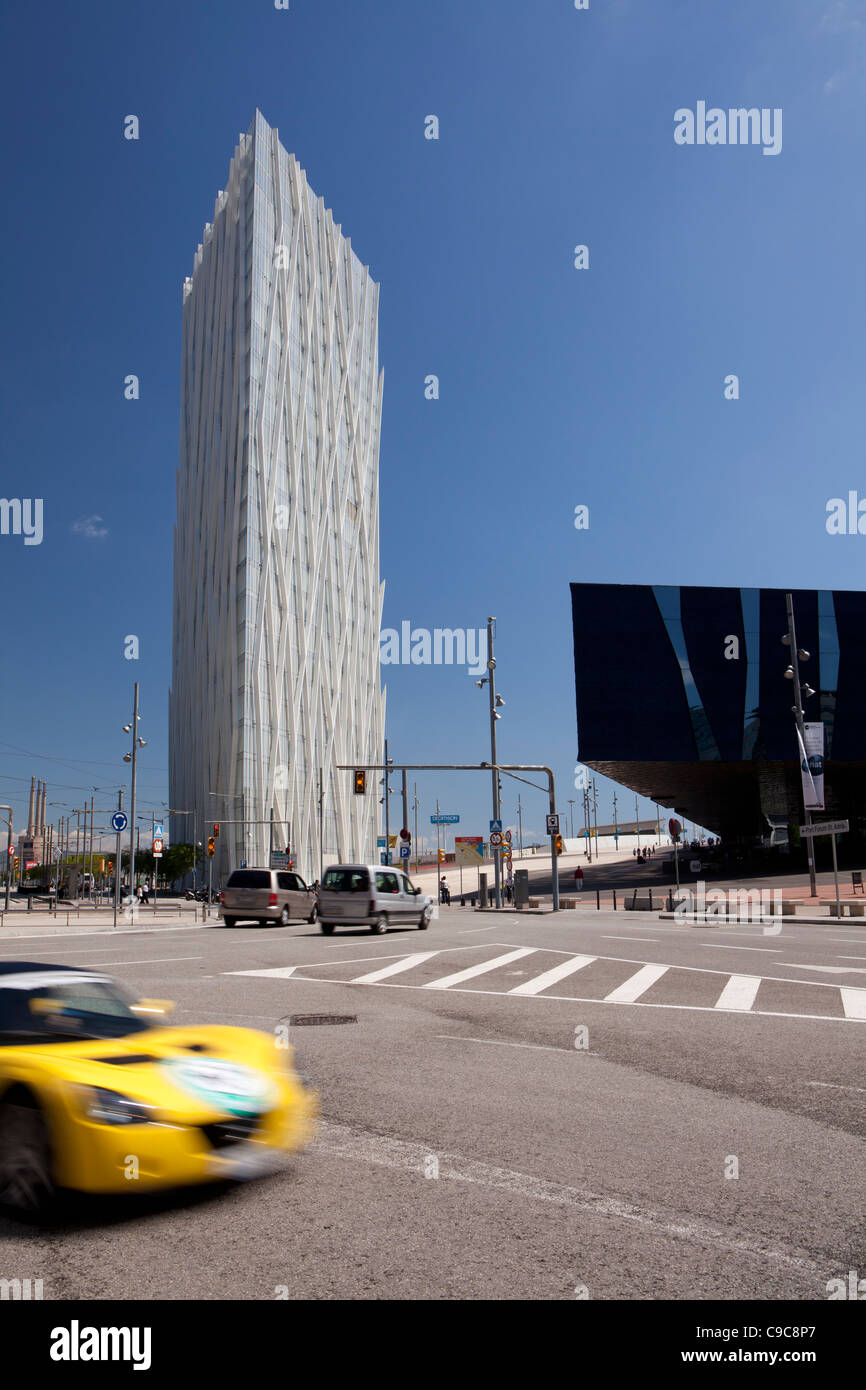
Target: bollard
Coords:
[[614, 900], [29, 902], [597, 900], [651, 900]]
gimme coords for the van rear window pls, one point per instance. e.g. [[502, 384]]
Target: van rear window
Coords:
[[346, 880], [249, 878]]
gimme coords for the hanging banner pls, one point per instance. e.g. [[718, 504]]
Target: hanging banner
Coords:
[[812, 765]]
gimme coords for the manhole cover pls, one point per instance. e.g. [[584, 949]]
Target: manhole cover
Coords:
[[318, 1020]]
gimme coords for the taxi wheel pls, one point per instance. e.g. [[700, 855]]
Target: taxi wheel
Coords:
[[380, 926], [326, 928], [26, 1185]]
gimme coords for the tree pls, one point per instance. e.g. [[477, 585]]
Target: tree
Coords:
[[177, 861]]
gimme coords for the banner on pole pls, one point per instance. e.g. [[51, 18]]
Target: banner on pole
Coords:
[[812, 765]]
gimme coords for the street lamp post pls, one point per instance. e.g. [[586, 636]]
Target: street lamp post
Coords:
[[8, 850], [132, 758], [793, 673], [571, 804], [496, 703]]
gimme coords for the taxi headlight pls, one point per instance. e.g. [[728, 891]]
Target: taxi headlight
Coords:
[[104, 1107]]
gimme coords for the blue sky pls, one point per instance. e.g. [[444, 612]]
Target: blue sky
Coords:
[[558, 387]]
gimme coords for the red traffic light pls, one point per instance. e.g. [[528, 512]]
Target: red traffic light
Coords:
[[216, 830]]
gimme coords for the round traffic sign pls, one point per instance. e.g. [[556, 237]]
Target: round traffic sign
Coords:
[[119, 821], [495, 838], [157, 845], [404, 834], [508, 836]]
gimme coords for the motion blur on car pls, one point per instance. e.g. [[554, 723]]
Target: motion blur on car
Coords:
[[97, 1095]]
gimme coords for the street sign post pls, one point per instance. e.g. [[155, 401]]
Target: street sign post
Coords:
[[496, 826], [405, 851], [119, 821], [553, 824], [444, 820], [831, 828]]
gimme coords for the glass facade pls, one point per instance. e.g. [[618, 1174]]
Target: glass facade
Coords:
[[671, 680]]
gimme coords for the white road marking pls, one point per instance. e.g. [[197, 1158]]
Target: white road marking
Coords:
[[771, 950], [154, 960], [395, 968], [841, 957], [279, 972], [499, 1042], [739, 993], [472, 930], [581, 999], [636, 984], [854, 1003], [827, 969], [552, 976], [356, 1145], [832, 1086], [447, 981], [630, 938]]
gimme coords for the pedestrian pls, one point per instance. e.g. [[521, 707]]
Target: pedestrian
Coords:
[[145, 894], [508, 892], [139, 893], [578, 879]]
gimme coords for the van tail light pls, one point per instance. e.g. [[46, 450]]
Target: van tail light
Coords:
[[272, 900], [222, 897], [372, 905]]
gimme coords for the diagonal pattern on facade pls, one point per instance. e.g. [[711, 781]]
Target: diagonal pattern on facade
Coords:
[[277, 599]]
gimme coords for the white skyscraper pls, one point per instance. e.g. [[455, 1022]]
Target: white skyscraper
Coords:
[[277, 599]]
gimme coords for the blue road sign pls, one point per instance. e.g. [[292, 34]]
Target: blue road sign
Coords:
[[444, 820], [385, 857], [381, 842], [405, 851], [243, 863], [496, 825], [157, 832], [119, 821]]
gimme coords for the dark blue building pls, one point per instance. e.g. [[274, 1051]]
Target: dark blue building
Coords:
[[681, 695]]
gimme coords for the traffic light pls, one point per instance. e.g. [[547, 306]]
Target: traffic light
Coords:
[[16, 864], [216, 831], [441, 856], [211, 847], [558, 843], [360, 781]]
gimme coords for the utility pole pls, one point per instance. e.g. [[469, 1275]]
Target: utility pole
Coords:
[[615, 825], [637, 822], [520, 823], [386, 794], [438, 852], [405, 810], [415, 795], [321, 824], [8, 851], [497, 811], [595, 815], [571, 804], [116, 866]]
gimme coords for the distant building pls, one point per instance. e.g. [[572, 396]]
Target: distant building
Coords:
[[277, 598]]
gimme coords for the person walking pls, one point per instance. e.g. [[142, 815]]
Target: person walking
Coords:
[[578, 879]]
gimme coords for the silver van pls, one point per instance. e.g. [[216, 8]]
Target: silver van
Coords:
[[371, 895], [267, 896]]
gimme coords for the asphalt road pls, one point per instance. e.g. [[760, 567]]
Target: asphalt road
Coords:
[[545, 1108]]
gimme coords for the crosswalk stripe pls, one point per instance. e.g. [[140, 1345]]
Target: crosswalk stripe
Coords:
[[636, 984], [739, 993], [854, 1003], [448, 980], [550, 977], [394, 969]]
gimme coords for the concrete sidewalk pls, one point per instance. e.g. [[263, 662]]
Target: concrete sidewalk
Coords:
[[86, 921]]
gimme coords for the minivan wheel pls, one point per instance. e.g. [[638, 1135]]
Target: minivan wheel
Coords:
[[313, 917], [326, 928], [284, 917], [380, 926], [229, 921]]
